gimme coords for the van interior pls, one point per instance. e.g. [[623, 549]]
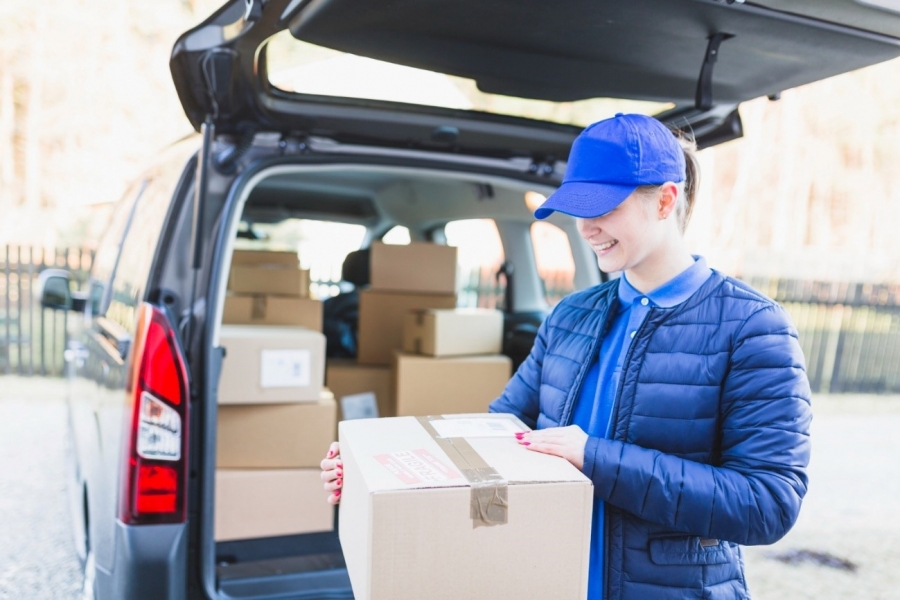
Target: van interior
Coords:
[[330, 215]]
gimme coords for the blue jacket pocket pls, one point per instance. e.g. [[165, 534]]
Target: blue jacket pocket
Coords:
[[689, 550]]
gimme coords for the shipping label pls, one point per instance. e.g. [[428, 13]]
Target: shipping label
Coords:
[[284, 368], [417, 466]]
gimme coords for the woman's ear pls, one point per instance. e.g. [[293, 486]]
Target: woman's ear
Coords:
[[668, 200]]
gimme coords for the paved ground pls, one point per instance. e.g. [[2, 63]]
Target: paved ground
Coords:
[[850, 512]]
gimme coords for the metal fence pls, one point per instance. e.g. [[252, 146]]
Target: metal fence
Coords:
[[32, 339], [849, 332]]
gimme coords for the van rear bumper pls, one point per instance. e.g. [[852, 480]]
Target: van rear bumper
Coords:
[[150, 562]]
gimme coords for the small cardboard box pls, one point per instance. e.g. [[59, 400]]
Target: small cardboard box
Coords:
[[424, 385], [275, 436], [416, 267], [453, 332], [347, 377], [412, 524], [381, 316], [259, 309], [261, 503], [265, 257], [269, 279], [267, 363]]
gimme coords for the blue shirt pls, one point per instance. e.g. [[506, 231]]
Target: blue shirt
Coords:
[[596, 399]]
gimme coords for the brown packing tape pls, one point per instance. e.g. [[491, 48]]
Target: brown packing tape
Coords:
[[489, 499]]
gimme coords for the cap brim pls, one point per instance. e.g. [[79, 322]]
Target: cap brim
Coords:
[[584, 199]]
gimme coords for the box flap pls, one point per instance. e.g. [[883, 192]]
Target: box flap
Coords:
[[399, 453]]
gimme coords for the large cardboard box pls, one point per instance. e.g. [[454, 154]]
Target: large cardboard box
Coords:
[[433, 386], [269, 279], [266, 364], [265, 257], [453, 508], [346, 377], [416, 267], [259, 309], [269, 502], [381, 316], [453, 332], [275, 436]]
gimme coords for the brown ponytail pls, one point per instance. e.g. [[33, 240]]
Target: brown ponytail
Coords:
[[692, 179]]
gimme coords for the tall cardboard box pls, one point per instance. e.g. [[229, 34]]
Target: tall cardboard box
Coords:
[[260, 503], [381, 316], [453, 332], [275, 436], [285, 258], [415, 522], [416, 267], [266, 364], [268, 279], [424, 385], [346, 377], [261, 309]]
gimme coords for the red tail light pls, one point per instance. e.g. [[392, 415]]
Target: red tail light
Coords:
[[154, 479]]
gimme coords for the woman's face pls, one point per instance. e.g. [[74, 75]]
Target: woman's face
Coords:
[[625, 237]]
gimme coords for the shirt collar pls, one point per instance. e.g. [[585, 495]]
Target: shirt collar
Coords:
[[673, 292]]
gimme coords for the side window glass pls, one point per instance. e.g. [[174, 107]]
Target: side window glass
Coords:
[[398, 235], [480, 256], [110, 246], [321, 247], [555, 264]]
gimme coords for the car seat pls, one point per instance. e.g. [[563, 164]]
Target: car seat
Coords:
[[341, 313]]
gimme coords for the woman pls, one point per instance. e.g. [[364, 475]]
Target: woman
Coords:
[[681, 393]]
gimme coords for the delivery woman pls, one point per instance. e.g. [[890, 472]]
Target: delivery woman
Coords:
[[681, 393]]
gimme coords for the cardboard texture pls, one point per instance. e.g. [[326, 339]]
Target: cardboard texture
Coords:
[[269, 436], [453, 332], [259, 309], [416, 267], [265, 257], [266, 503], [346, 377], [269, 279], [381, 316], [432, 386], [408, 529], [265, 364]]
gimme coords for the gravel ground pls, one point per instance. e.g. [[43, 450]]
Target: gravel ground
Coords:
[[850, 511], [37, 554]]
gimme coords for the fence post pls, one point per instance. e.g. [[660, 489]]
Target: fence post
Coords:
[[7, 366]]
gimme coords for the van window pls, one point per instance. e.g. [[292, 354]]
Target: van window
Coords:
[[398, 235], [480, 254], [109, 247], [321, 246], [554, 261], [138, 250]]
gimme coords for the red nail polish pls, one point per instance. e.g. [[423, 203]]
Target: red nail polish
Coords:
[[330, 453], [526, 443], [520, 436], [337, 493]]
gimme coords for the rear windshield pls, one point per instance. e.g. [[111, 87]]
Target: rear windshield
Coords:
[[303, 68]]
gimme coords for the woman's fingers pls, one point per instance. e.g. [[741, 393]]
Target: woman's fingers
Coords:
[[334, 498], [336, 472], [333, 450]]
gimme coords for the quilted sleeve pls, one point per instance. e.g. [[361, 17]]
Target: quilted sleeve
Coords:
[[753, 495], [521, 396]]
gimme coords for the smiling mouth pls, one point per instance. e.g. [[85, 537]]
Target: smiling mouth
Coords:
[[606, 246]]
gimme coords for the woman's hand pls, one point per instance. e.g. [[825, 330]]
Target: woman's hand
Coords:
[[566, 442], [333, 473]]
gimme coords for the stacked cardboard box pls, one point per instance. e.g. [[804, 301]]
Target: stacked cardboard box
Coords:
[[269, 288], [404, 278], [275, 417], [453, 507], [451, 362]]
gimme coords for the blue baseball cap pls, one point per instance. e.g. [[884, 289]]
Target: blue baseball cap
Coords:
[[612, 158]]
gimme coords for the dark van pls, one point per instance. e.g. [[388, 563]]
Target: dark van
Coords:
[[337, 124]]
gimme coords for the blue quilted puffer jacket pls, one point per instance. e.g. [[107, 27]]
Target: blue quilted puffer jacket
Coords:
[[709, 439]]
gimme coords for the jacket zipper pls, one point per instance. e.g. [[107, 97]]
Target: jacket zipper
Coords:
[[610, 434]]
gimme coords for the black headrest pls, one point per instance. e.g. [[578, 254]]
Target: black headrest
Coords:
[[356, 268]]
